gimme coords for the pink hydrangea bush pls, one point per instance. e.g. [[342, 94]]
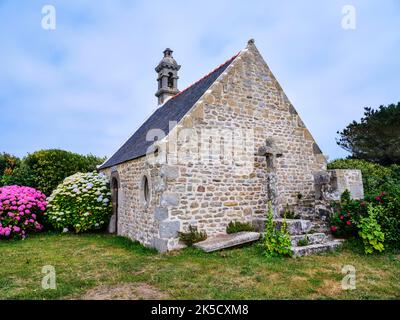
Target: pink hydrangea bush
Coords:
[[20, 208]]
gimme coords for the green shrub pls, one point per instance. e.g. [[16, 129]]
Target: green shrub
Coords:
[[44, 169], [81, 203], [275, 242], [237, 226], [389, 215], [347, 215], [50, 167], [22, 175], [303, 242], [8, 166], [290, 214], [192, 236], [8, 163], [370, 231]]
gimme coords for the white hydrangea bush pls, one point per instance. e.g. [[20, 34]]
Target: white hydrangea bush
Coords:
[[82, 202]]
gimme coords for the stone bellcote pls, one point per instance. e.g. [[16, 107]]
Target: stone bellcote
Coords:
[[167, 79]]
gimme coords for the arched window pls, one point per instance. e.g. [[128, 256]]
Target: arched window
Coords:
[[146, 191], [170, 80]]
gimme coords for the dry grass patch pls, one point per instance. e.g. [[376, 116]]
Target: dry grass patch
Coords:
[[128, 291]]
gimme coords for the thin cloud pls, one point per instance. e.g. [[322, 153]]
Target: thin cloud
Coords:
[[87, 85]]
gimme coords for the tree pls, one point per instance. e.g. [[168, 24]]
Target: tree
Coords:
[[376, 137]]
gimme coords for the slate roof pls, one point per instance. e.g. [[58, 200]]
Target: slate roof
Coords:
[[172, 110]]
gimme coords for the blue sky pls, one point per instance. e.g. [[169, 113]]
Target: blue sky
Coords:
[[88, 84]]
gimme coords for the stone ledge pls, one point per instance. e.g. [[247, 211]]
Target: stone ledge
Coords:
[[226, 241], [313, 238], [316, 248]]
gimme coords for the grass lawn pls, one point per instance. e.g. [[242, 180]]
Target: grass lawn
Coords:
[[94, 264]]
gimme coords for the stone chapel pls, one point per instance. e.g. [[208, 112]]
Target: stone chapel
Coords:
[[220, 151]]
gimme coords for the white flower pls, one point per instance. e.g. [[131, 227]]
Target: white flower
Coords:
[[65, 230]]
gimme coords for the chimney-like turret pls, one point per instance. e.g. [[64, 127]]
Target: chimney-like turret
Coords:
[[167, 79]]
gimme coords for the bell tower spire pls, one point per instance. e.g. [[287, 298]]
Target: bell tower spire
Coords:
[[167, 79]]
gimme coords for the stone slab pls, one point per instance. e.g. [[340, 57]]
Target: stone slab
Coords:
[[226, 241], [160, 213], [169, 229], [161, 245], [316, 248]]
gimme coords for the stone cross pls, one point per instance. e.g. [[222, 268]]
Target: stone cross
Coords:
[[271, 151]]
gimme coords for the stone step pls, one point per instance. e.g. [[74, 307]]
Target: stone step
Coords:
[[316, 248], [313, 238], [295, 226], [224, 241]]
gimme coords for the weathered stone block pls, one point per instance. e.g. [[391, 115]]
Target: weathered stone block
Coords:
[[161, 245], [169, 172], [169, 229], [321, 177], [231, 203], [169, 199], [160, 213], [159, 184]]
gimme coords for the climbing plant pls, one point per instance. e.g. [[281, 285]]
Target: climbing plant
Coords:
[[275, 242]]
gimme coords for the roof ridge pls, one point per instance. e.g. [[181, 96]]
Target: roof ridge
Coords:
[[207, 75]]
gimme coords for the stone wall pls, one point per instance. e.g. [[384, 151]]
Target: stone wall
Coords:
[[135, 216]]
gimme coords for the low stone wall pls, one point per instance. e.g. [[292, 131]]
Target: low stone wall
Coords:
[[347, 179], [329, 185]]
